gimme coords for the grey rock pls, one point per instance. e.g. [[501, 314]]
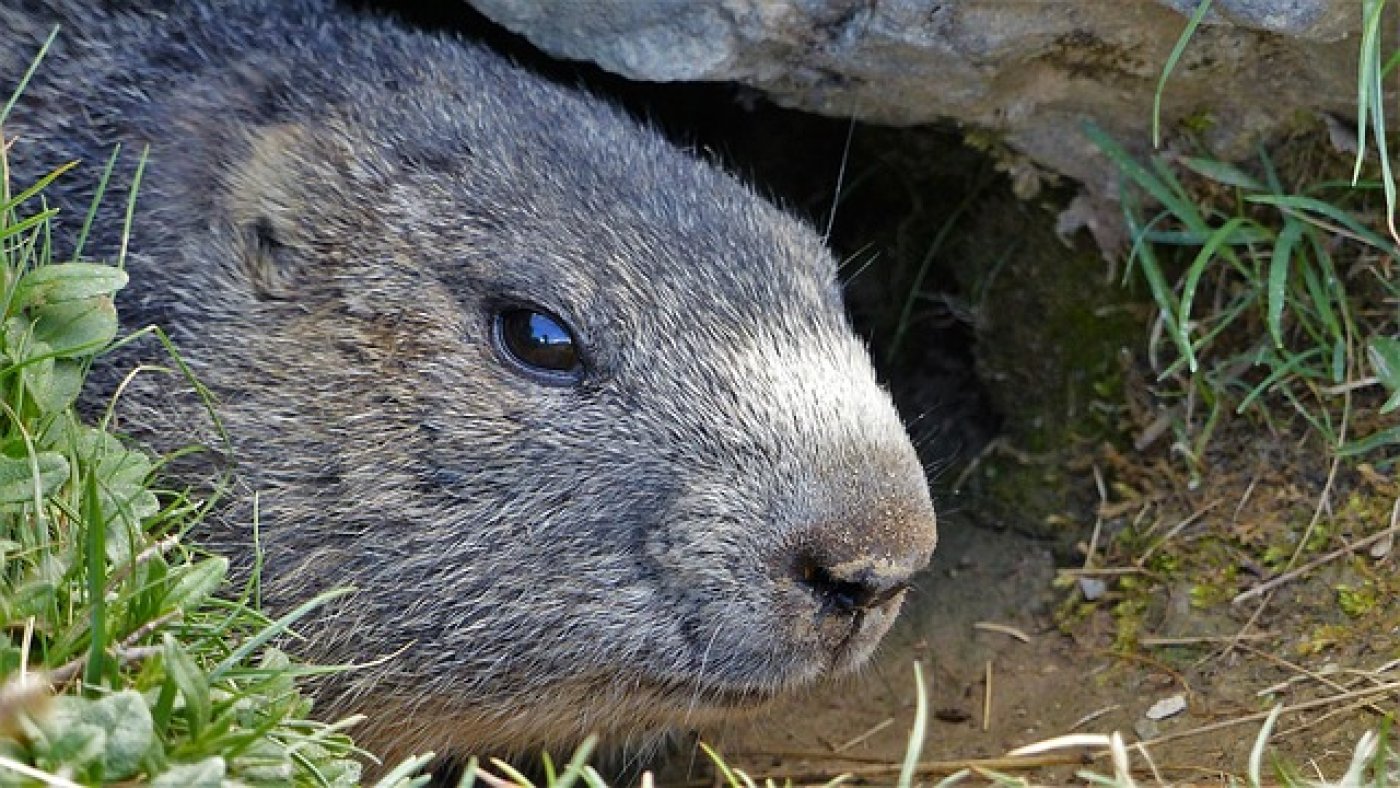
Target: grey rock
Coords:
[[1169, 706], [1026, 74], [1322, 20], [1092, 588]]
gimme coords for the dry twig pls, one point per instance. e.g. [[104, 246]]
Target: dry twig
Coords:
[[874, 729], [1383, 689], [987, 700], [125, 651], [988, 626], [1289, 576]]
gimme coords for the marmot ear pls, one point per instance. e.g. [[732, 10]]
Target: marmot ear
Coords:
[[271, 207], [270, 265]]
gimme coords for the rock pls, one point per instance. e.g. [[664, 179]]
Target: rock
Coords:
[[1092, 588], [1169, 706], [1022, 76], [1319, 20]]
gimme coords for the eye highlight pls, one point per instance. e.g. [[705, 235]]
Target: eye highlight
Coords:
[[539, 345]]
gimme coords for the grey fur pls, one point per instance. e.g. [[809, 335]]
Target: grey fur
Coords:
[[333, 209]]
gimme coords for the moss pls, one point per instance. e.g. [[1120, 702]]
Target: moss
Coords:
[[1322, 638], [1050, 327], [1207, 595], [1164, 563], [1320, 536], [1357, 601], [1129, 614], [1199, 122]]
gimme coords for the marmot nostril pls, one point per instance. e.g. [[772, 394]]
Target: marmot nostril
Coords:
[[850, 588]]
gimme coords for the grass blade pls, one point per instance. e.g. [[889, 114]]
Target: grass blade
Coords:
[[1281, 371], [1138, 174], [96, 586], [1161, 291], [916, 735], [1279, 265], [276, 628], [1198, 267], [730, 779], [1302, 206], [43, 183], [573, 770], [1222, 172], [405, 773], [1172, 59], [97, 194], [28, 74], [1386, 437], [1256, 753]]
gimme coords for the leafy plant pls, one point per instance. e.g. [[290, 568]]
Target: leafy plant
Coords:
[[118, 661], [1279, 270], [1257, 292]]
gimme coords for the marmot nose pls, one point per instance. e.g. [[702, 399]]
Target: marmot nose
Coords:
[[848, 568], [859, 588]]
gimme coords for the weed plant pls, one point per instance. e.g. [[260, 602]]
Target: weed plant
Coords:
[[1265, 295], [119, 661], [1271, 295]]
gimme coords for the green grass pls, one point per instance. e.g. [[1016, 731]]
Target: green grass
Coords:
[[1372, 69], [1275, 288], [125, 656], [1267, 296], [1270, 297]]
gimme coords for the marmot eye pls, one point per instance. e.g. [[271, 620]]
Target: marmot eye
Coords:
[[540, 343]]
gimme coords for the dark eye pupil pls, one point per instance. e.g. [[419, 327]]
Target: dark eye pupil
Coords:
[[538, 340]]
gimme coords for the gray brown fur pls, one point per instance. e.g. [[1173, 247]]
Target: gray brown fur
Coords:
[[333, 208]]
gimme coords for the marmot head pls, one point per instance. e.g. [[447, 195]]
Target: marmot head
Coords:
[[579, 416]]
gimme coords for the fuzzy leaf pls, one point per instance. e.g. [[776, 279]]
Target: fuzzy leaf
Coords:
[[122, 476], [191, 682], [54, 384], [128, 504], [192, 584], [337, 772], [208, 773], [115, 731], [71, 745], [50, 284], [266, 763], [16, 331], [17, 482], [123, 538], [115, 464], [76, 328], [28, 599], [130, 732]]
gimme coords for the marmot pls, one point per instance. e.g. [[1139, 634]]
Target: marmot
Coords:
[[579, 416]]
